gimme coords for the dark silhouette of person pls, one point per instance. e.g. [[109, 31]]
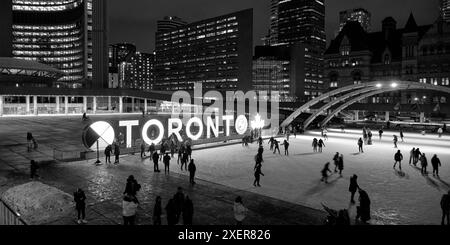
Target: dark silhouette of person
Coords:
[[132, 186], [189, 151], [424, 164], [363, 210], [108, 151], [171, 212], [435, 163], [395, 141], [341, 164], [277, 147], [324, 172], [411, 155], [166, 161], [398, 157], [321, 144], [162, 151], [258, 174], [180, 153], [336, 161], [157, 211], [286, 147], [260, 141], [142, 149], [380, 133], [271, 142], [401, 135], [360, 145], [188, 211], [80, 205], [192, 169], [353, 187], [116, 153], [445, 206], [155, 158], [314, 144], [184, 160], [34, 166], [417, 155], [84, 118], [29, 141], [179, 202], [151, 149]]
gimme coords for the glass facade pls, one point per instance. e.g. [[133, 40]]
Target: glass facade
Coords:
[[273, 76]]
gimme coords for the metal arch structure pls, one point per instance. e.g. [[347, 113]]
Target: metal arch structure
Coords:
[[325, 96], [376, 84], [364, 96], [335, 102]]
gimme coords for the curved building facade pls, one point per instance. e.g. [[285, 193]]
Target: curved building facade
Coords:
[[52, 33]]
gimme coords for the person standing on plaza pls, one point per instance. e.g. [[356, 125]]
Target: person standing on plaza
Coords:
[[132, 187], [192, 169], [29, 141], [129, 208], [417, 155], [369, 137], [166, 161], [155, 158], [277, 147], [116, 153], [435, 163], [258, 174], [157, 211], [360, 145], [189, 151], [321, 144], [395, 141], [380, 133], [179, 202], [401, 135], [260, 141], [445, 206], [363, 210], [34, 166], [142, 149], [411, 155], [180, 153], [188, 211], [171, 212], [80, 205], [398, 157], [152, 149], [336, 162], [286, 147], [184, 160], [324, 172], [424, 164], [325, 133], [162, 151], [440, 131], [240, 211], [314, 144], [353, 187], [341, 164], [271, 142], [108, 152], [172, 149]]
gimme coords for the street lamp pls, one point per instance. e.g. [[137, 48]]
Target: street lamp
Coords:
[[394, 85], [379, 85]]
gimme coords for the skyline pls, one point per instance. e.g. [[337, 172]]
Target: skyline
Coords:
[[143, 32]]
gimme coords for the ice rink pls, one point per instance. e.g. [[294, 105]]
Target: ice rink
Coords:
[[405, 197]]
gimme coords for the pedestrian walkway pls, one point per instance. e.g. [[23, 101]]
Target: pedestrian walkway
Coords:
[[104, 185]]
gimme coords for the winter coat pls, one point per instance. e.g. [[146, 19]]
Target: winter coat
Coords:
[[398, 157], [239, 211], [79, 197], [129, 207], [445, 202], [435, 162], [353, 185]]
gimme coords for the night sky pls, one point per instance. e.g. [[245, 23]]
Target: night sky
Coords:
[[134, 21]]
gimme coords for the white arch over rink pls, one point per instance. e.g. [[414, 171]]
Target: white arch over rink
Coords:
[[370, 89]]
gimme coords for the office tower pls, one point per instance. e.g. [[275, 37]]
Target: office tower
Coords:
[[445, 10], [216, 52], [169, 22]]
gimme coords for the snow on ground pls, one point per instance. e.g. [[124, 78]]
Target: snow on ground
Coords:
[[405, 197]]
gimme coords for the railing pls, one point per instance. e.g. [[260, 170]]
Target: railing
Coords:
[[8, 216]]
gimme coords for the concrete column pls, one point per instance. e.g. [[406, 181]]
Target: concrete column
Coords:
[[1, 105], [35, 105], [94, 105], [58, 107], [120, 104], [387, 117], [422, 117], [132, 104], [109, 103], [27, 98], [356, 115], [85, 104], [145, 106], [66, 105]]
